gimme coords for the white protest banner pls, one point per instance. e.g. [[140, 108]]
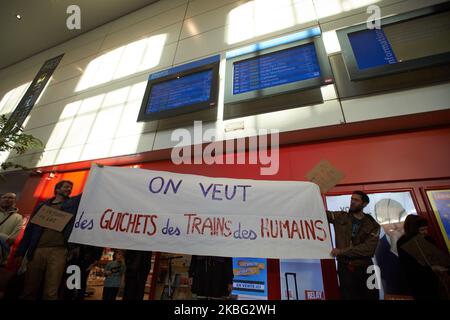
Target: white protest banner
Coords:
[[140, 209]]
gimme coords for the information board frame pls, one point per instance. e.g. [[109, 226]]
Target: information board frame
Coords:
[[325, 77], [350, 60], [211, 103]]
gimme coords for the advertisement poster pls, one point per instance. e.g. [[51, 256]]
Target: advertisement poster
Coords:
[[301, 280], [440, 202], [250, 278], [33, 92]]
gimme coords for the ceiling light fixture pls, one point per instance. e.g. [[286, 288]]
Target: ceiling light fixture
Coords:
[[18, 16]]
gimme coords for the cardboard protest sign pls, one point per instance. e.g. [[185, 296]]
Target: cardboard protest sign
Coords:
[[426, 253], [325, 175], [51, 218]]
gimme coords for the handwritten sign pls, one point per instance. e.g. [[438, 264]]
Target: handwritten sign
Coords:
[[325, 175], [51, 218], [426, 253], [138, 209]]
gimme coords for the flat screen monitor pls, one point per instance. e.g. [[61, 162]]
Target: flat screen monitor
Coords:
[[294, 66], [405, 42], [181, 90]]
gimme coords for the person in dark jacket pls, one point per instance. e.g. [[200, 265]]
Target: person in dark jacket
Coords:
[[423, 280], [211, 277], [137, 266], [357, 235], [46, 249], [83, 256]]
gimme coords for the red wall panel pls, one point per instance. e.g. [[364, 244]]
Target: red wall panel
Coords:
[[408, 156]]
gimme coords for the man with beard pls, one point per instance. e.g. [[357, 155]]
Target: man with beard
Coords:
[[357, 235], [46, 249]]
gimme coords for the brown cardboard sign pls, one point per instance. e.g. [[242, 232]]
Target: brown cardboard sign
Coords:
[[325, 175], [426, 253], [51, 218]]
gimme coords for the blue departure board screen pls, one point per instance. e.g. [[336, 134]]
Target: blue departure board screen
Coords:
[[372, 48], [183, 91], [276, 68], [402, 41]]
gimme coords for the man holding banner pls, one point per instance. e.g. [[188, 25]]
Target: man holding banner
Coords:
[[44, 244], [357, 235]]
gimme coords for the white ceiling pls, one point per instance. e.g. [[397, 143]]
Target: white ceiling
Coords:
[[43, 23]]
